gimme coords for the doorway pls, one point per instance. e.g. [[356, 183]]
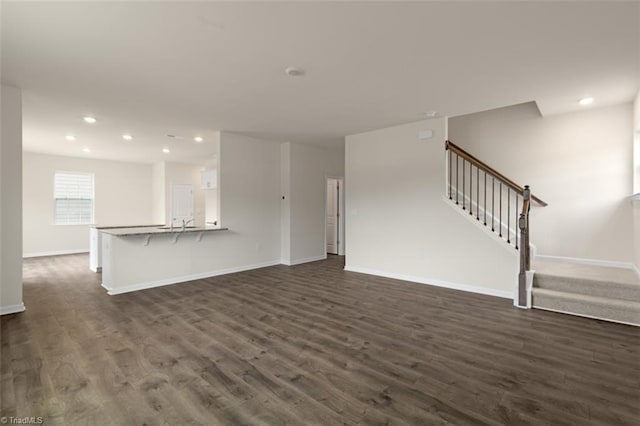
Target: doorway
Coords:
[[334, 217], [181, 204]]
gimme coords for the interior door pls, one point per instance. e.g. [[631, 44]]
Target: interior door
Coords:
[[332, 216], [181, 204]]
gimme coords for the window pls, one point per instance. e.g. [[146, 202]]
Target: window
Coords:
[[73, 193]]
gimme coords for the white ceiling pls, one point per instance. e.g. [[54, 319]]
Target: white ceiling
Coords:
[[152, 68]]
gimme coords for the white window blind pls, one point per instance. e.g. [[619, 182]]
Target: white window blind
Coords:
[[73, 194]]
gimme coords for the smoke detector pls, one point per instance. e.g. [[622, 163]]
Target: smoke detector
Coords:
[[294, 72]]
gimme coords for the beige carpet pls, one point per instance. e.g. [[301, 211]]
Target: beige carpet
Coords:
[[605, 293]]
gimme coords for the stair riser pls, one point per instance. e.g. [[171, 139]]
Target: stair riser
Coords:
[[586, 316], [627, 316], [591, 288]]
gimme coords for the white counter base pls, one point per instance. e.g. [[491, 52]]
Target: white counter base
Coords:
[[130, 265], [185, 278]]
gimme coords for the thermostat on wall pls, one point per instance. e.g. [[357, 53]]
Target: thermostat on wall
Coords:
[[425, 134]]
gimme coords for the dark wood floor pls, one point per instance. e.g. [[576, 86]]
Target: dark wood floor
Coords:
[[309, 344]]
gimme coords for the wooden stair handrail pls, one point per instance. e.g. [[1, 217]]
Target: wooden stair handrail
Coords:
[[488, 169]]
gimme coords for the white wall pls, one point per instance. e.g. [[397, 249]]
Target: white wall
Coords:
[[158, 193], [122, 197], [285, 204], [211, 196], [398, 224], [211, 205], [580, 163], [636, 112], [308, 167], [11, 202], [636, 144], [249, 193], [636, 184], [636, 234]]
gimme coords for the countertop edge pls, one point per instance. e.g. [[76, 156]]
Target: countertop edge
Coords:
[[100, 228], [156, 231]]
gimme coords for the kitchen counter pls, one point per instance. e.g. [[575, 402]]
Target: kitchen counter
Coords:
[[159, 230], [100, 228], [145, 257], [96, 232], [95, 242]]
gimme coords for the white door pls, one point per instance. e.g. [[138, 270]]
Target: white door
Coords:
[[333, 187], [181, 204]]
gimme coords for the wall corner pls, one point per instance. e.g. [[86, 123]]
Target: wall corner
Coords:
[[11, 201]]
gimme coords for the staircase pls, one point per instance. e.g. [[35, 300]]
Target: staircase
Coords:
[[607, 293], [497, 202], [503, 207]]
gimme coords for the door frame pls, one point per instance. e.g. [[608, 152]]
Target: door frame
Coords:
[[341, 197]]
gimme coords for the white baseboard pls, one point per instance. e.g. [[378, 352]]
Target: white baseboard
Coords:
[[583, 261], [54, 253], [12, 309], [304, 260], [184, 278], [429, 281], [586, 316]]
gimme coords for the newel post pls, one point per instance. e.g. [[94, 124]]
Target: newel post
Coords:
[[525, 255]]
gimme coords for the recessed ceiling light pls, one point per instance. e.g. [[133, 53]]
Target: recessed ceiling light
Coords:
[[431, 114], [294, 71], [166, 150], [127, 137], [89, 119], [586, 101], [70, 138], [86, 150], [198, 139]]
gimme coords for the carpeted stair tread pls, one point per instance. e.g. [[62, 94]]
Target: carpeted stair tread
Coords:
[[625, 311], [590, 272], [590, 287]]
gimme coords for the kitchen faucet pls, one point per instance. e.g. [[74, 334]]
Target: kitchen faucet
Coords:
[[185, 223]]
